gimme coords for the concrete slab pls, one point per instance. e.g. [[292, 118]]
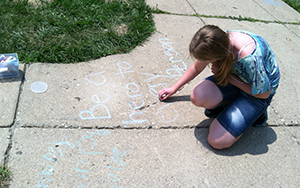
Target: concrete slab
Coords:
[[4, 141], [153, 158], [268, 10], [279, 10], [9, 94], [231, 8]]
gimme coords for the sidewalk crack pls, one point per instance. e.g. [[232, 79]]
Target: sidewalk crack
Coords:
[[196, 12]]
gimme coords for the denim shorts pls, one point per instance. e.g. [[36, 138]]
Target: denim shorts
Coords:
[[242, 109]]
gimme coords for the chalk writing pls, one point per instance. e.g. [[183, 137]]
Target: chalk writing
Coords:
[[98, 107], [114, 177], [154, 82], [82, 169], [89, 140], [42, 181], [89, 114], [154, 88], [116, 163], [52, 155], [133, 92], [87, 145], [134, 121], [179, 65], [48, 171], [123, 65], [132, 88], [162, 117], [53, 151], [272, 2], [98, 77]]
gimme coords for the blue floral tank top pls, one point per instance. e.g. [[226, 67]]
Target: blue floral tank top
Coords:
[[259, 69]]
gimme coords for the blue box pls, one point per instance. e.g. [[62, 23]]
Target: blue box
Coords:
[[9, 65]]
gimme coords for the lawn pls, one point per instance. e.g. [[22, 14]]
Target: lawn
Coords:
[[293, 3], [70, 31], [4, 176]]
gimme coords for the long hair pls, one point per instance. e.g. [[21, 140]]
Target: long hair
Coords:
[[212, 43]]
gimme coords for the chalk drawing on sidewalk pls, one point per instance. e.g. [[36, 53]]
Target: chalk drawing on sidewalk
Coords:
[[82, 168], [90, 114], [273, 2], [154, 82], [163, 118], [123, 65], [98, 78], [89, 140]]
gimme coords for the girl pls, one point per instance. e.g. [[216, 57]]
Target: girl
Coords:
[[245, 79]]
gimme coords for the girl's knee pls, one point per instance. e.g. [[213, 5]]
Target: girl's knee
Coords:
[[219, 144], [197, 98], [220, 138], [206, 94]]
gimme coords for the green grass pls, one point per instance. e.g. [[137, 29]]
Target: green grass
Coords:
[[69, 31], [293, 3], [4, 176]]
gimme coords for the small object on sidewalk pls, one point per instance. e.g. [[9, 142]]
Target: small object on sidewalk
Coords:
[[78, 98], [39, 87]]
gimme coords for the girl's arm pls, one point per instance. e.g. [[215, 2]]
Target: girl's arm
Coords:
[[189, 75], [236, 81]]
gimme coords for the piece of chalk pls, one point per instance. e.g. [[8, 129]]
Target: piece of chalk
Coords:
[[163, 96]]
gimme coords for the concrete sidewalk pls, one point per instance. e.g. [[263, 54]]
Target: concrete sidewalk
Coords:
[[100, 123]]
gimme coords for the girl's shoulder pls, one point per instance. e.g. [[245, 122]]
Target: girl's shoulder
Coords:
[[243, 43], [241, 31]]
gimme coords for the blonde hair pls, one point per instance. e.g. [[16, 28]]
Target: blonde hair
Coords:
[[212, 43]]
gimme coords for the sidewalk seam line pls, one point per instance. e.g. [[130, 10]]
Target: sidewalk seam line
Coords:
[[135, 128], [13, 125], [249, 19]]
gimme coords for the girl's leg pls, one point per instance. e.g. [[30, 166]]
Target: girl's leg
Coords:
[[242, 112], [206, 94], [238, 116], [219, 137]]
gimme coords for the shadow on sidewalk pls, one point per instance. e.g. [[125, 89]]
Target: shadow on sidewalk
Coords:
[[17, 79], [178, 99], [255, 140]]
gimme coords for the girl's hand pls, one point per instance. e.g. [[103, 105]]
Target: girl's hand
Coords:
[[214, 69], [165, 93]]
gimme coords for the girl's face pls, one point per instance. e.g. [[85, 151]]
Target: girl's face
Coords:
[[209, 61], [204, 61]]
